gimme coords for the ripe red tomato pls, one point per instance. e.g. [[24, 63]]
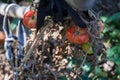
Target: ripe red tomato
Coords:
[[77, 35], [30, 19], [2, 37]]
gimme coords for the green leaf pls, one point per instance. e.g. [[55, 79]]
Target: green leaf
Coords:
[[87, 47], [113, 54], [29, 0], [97, 70], [63, 78], [101, 79], [85, 77], [104, 74], [117, 70], [108, 28], [113, 17], [86, 67], [118, 77], [115, 33], [110, 53], [100, 57], [104, 18]]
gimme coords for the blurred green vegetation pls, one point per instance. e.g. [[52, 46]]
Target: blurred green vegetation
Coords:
[[111, 36], [112, 32]]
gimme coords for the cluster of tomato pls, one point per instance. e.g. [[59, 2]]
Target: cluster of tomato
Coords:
[[74, 34]]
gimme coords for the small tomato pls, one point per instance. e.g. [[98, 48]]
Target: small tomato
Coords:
[[2, 37], [30, 19], [77, 35]]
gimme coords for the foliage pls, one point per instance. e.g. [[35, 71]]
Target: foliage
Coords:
[[113, 54], [112, 34], [112, 29]]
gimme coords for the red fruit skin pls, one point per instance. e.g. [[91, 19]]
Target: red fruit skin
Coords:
[[81, 39], [2, 37], [30, 19], [70, 33], [77, 35]]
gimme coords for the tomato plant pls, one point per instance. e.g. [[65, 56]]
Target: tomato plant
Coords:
[[77, 35], [2, 37], [30, 19]]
